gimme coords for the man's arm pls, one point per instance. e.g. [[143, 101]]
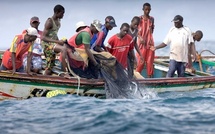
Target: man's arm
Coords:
[[29, 59], [162, 45], [13, 57], [86, 41], [191, 51], [98, 42], [13, 52], [90, 55]]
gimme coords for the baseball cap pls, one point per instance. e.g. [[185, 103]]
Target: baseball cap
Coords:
[[111, 21], [177, 18], [34, 19], [97, 24], [32, 31], [79, 25]]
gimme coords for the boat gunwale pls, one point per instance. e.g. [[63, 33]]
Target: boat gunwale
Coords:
[[49, 79]]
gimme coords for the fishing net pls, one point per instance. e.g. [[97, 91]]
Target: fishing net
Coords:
[[118, 83]]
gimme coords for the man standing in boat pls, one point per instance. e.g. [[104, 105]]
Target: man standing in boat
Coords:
[[51, 42], [145, 41], [13, 57], [97, 42], [179, 37]]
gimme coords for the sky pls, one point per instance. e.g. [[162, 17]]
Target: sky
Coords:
[[16, 14]]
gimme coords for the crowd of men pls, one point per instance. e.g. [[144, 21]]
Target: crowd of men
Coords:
[[133, 46]]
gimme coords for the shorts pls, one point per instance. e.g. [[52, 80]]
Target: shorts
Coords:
[[49, 54], [36, 62]]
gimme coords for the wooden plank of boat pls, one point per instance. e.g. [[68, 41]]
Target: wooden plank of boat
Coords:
[[23, 86], [200, 80], [177, 84]]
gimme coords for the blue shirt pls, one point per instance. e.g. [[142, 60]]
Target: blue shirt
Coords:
[[95, 36]]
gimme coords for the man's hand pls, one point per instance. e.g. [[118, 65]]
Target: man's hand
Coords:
[[141, 59], [31, 73], [60, 42], [153, 48], [13, 71]]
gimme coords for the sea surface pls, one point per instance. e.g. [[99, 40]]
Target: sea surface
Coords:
[[167, 113], [190, 112]]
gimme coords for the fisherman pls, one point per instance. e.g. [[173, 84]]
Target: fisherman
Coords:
[[97, 42], [179, 38], [133, 32], [36, 62], [13, 57], [120, 44], [197, 36], [145, 41], [51, 42], [81, 41]]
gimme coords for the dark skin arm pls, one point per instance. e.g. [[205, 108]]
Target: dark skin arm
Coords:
[[90, 55], [191, 50], [98, 42], [48, 26], [138, 51], [13, 62], [162, 45], [98, 49], [29, 59]]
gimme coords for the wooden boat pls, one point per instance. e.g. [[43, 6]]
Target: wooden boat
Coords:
[[23, 86]]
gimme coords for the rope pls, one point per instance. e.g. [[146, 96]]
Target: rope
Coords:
[[207, 51], [74, 74], [200, 61], [200, 58]]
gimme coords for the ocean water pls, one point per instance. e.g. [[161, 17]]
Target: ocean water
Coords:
[[167, 113]]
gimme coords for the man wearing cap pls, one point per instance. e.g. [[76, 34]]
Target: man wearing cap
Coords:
[[13, 57], [120, 44], [81, 41], [145, 40], [51, 42], [97, 42], [179, 37], [36, 62]]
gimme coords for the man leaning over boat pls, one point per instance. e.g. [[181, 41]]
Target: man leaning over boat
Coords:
[[81, 42], [13, 57], [197, 36]]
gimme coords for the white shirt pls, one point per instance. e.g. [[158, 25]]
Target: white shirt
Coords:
[[37, 48], [179, 39]]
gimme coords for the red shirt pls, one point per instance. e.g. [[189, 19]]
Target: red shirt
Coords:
[[120, 48], [19, 47], [145, 30]]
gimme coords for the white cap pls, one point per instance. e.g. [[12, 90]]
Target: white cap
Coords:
[[80, 24], [32, 32], [97, 24]]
